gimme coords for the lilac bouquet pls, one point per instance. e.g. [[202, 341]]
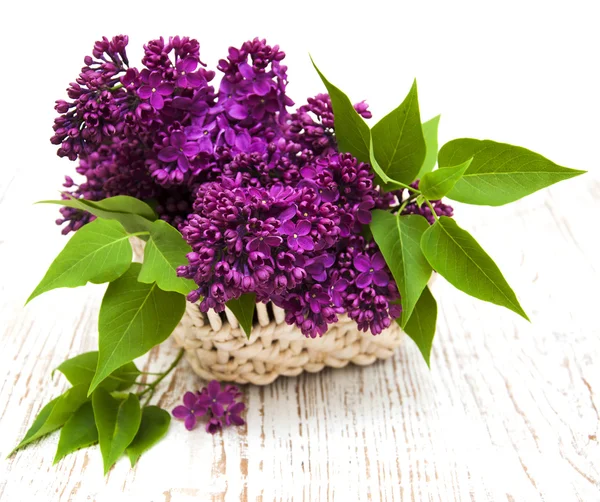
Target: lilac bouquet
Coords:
[[243, 198], [261, 193]]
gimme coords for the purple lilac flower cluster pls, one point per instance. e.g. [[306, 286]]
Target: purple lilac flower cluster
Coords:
[[220, 406], [261, 193]]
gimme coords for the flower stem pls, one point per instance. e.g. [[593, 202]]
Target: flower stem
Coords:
[[435, 216], [408, 187], [151, 387], [411, 198], [404, 204], [115, 87]]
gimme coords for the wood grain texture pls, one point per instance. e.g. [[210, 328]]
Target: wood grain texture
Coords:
[[509, 410]]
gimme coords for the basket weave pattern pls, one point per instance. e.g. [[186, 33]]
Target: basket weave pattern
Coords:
[[217, 348]]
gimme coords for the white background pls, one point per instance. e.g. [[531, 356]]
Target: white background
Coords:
[[515, 71], [520, 72]]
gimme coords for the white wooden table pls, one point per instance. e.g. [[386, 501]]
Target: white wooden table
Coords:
[[509, 410]]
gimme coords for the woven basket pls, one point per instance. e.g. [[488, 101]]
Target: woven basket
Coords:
[[217, 348]]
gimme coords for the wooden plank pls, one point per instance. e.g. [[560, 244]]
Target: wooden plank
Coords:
[[509, 410]]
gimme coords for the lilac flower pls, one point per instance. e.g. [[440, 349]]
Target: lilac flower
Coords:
[[297, 235], [260, 105], [317, 267], [264, 243], [234, 390], [155, 90], [362, 109], [190, 411], [225, 130], [220, 407], [232, 414], [203, 133], [215, 399], [237, 111], [336, 290], [311, 126], [197, 105], [214, 425], [261, 82], [317, 298], [321, 193], [185, 76], [283, 196], [372, 270], [180, 150], [363, 212]]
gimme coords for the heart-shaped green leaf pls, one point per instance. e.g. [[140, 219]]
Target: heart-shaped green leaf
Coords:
[[81, 369], [79, 431], [133, 223], [134, 317], [351, 131], [421, 324], [118, 421], [438, 183], [165, 251], [99, 252], [457, 256], [399, 238], [398, 140], [243, 308], [499, 173], [155, 423], [430, 133], [55, 414]]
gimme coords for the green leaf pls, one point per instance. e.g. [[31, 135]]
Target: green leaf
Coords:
[[438, 183], [118, 421], [499, 173], [381, 178], [398, 140], [55, 414], [124, 204], [79, 431], [457, 256], [99, 252], [155, 423], [38, 425], [165, 251], [132, 222], [421, 324], [430, 133], [134, 317], [351, 131], [81, 369], [420, 200], [243, 308], [398, 238]]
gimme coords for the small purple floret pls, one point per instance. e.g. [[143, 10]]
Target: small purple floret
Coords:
[[190, 411], [219, 405]]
